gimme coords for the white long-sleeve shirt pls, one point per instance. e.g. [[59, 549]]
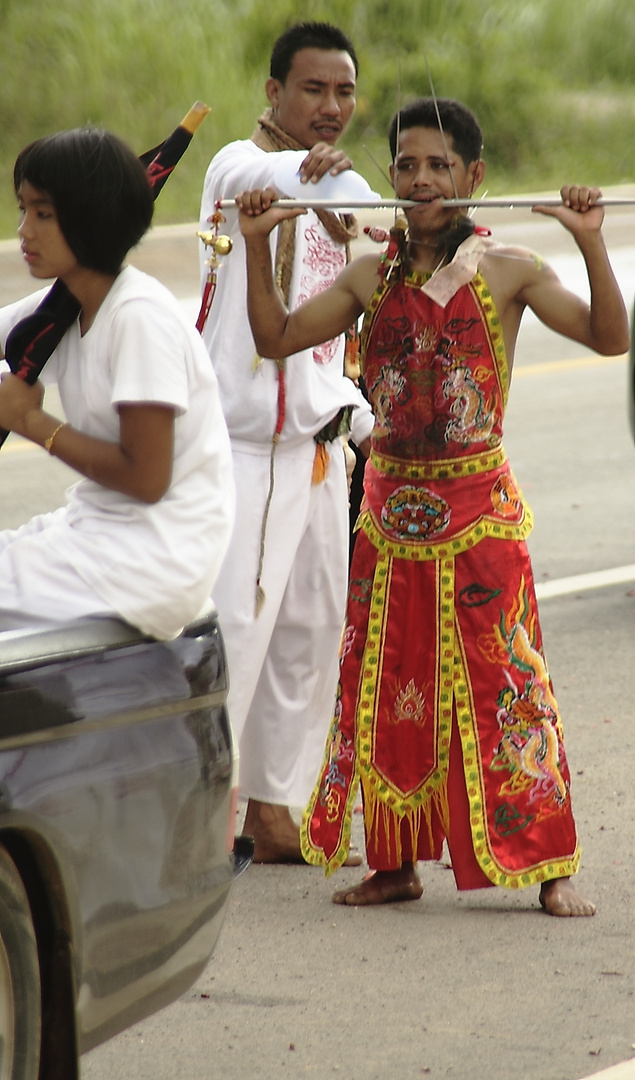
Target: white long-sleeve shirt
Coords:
[[316, 387]]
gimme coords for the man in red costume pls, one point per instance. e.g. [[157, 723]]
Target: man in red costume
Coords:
[[445, 710]]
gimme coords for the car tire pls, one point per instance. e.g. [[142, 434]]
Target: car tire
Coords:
[[20, 991]]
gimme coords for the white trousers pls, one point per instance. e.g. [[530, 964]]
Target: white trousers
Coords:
[[283, 664], [39, 587]]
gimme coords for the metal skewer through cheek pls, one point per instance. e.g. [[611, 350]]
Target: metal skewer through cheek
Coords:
[[375, 204]]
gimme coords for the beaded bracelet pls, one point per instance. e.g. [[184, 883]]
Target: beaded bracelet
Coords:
[[48, 443]]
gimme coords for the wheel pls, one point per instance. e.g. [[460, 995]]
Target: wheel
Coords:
[[20, 995]]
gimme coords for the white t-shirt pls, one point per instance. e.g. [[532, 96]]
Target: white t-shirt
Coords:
[[316, 387], [156, 563]]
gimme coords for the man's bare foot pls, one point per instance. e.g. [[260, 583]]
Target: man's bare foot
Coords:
[[276, 835], [559, 897], [382, 887]]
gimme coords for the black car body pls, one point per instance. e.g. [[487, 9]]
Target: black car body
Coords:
[[117, 800]]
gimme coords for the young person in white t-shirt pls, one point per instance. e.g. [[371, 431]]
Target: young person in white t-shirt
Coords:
[[145, 529]]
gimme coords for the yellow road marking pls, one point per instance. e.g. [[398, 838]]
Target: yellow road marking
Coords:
[[23, 446], [564, 365]]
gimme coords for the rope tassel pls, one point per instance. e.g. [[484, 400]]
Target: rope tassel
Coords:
[[260, 592], [321, 463]]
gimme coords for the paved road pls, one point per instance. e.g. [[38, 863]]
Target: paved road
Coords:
[[475, 985]]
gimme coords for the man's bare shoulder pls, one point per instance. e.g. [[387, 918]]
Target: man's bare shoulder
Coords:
[[508, 254], [510, 267]]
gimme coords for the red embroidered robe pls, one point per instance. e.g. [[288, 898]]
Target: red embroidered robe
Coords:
[[442, 628]]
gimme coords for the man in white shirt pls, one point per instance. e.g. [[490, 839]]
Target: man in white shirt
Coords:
[[281, 590]]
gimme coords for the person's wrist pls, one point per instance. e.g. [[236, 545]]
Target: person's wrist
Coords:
[[258, 242], [590, 240], [49, 442], [38, 427]]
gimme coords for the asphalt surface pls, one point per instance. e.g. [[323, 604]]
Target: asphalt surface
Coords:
[[474, 986]]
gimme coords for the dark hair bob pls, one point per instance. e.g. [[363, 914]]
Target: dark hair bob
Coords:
[[100, 191]]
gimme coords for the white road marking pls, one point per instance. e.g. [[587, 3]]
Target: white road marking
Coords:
[[597, 579]]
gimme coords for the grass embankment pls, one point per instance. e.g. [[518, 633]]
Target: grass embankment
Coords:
[[551, 83]]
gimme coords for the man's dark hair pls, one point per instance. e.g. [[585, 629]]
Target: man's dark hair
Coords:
[[99, 189], [456, 120], [307, 35]]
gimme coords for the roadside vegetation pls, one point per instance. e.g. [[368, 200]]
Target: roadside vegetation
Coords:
[[552, 83]]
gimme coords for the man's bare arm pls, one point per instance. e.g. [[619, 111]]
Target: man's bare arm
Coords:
[[278, 333], [601, 325]]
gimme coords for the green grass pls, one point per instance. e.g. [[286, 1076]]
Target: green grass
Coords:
[[550, 81]]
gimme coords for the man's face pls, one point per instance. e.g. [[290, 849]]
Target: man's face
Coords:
[[427, 168], [317, 100]]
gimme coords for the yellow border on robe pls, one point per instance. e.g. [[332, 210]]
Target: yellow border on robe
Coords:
[[494, 329], [484, 526], [374, 782], [473, 770], [315, 856], [442, 469], [381, 796]]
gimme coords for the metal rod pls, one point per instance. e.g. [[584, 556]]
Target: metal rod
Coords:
[[406, 204], [528, 201]]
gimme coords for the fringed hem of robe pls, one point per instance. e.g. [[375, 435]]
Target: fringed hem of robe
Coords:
[[486, 673]]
